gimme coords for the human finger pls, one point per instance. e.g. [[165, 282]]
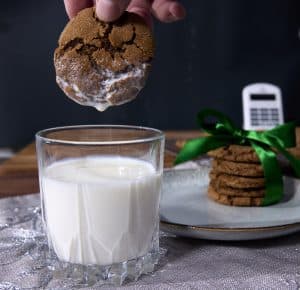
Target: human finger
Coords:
[[141, 8], [110, 10], [168, 10], [74, 6]]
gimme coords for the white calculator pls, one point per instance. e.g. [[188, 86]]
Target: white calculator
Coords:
[[262, 106]]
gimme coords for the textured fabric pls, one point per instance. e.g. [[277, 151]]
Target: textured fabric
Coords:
[[187, 264]]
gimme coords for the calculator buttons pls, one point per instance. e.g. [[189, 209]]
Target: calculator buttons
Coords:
[[264, 117]]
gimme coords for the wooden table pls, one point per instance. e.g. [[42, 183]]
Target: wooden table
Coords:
[[19, 175]]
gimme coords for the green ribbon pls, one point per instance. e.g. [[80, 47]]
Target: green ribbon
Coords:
[[266, 144]]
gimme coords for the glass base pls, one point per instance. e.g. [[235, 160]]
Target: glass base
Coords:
[[77, 275], [116, 274], [73, 275]]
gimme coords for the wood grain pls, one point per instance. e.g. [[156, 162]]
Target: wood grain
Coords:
[[19, 175]]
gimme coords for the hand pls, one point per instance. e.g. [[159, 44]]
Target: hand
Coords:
[[110, 10]]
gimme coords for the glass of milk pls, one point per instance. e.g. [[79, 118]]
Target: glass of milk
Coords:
[[100, 191]]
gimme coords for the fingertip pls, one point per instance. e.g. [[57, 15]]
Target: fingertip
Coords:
[[177, 11], [70, 14], [110, 10], [144, 14], [74, 6], [168, 10], [70, 9]]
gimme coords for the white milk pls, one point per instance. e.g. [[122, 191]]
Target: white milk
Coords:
[[101, 210]]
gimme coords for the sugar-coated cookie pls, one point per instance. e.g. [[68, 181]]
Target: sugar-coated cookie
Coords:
[[103, 64]]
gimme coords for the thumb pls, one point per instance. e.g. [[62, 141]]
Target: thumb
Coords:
[[110, 10]]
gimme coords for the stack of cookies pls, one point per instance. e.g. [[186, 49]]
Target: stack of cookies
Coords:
[[236, 177]]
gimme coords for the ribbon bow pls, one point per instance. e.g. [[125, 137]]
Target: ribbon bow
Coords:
[[266, 144]]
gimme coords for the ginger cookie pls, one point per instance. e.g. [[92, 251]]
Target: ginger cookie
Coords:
[[222, 179], [103, 64], [237, 168], [233, 200], [242, 192], [237, 153]]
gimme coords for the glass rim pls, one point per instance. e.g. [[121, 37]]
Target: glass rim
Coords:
[[159, 135]]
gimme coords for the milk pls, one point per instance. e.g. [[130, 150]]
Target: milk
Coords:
[[112, 90], [100, 210]]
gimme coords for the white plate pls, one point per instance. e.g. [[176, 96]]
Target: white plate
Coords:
[[186, 210]]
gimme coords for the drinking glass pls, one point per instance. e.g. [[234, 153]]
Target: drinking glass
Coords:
[[100, 190]]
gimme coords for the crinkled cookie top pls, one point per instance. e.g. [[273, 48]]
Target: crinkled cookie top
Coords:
[[108, 45]]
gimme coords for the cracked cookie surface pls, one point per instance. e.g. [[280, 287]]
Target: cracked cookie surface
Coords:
[[103, 64], [236, 153], [237, 168]]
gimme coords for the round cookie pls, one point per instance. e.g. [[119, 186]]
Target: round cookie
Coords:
[[237, 153], [230, 191], [234, 200], [237, 168], [241, 182], [103, 64]]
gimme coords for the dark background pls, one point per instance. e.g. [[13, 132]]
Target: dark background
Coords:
[[203, 61]]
